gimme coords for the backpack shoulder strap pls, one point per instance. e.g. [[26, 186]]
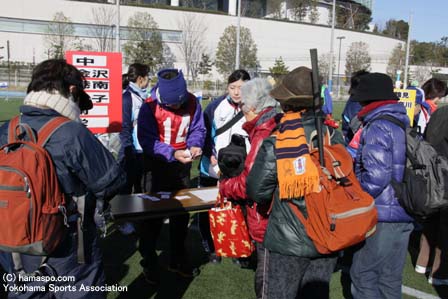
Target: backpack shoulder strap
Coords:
[[392, 120], [313, 135], [16, 128], [13, 123], [298, 213], [49, 128], [230, 123]]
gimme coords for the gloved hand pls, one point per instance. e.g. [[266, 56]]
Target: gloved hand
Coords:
[[101, 216]]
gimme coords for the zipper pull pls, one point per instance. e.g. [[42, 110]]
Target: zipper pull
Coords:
[[27, 187], [64, 213], [333, 224]]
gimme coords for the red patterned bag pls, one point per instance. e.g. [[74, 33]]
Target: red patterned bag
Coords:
[[229, 230]]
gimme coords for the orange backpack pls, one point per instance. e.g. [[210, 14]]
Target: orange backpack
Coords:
[[31, 202], [341, 214]]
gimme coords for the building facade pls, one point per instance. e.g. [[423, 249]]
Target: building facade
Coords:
[[24, 24]]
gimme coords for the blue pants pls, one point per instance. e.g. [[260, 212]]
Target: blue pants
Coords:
[[377, 268], [63, 263]]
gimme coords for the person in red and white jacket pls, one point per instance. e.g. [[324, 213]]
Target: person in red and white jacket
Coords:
[[259, 110]]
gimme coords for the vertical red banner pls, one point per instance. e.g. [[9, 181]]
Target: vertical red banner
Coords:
[[102, 71]]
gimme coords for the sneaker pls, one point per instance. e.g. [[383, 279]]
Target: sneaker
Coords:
[[126, 228], [422, 269], [152, 277], [437, 281], [184, 270], [214, 259], [243, 262]]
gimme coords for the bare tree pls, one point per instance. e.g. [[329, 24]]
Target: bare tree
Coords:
[[202, 4], [252, 9], [422, 73], [168, 57], [103, 19], [314, 13], [275, 9], [60, 35], [192, 45], [324, 64], [299, 9], [396, 61], [358, 58]]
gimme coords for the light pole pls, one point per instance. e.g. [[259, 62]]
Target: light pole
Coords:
[[238, 28], [340, 38], [118, 27], [330, 67], [408, 43]]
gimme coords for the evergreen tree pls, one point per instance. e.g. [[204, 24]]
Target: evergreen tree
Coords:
[[145, 42], [226, 54], [278, 69]]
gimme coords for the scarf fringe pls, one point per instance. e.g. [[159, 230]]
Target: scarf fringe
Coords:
[[294, 187]]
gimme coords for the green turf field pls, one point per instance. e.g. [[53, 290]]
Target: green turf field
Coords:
[[224, 281], [9, 108]]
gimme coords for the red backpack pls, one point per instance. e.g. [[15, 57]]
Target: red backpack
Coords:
[[341, 214], [32, 205]]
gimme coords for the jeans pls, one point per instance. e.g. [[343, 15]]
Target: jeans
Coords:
[[377, 268], [63, 263], [291, 277]]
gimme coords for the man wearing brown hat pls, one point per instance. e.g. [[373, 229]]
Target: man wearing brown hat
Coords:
[[377, 266], [283, 172]]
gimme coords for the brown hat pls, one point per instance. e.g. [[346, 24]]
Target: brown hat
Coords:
[[296, 88]]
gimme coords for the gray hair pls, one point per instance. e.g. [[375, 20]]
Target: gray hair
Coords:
[[255, 95]]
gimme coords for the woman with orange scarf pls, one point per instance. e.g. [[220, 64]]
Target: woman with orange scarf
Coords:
[[283, 173]]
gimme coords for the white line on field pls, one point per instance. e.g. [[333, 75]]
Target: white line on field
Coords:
[[416, 293]]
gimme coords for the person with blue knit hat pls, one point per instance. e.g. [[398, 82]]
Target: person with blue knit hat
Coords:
[[170, 130], [422, 110]]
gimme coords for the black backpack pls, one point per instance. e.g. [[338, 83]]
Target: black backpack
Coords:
[[425, 178]]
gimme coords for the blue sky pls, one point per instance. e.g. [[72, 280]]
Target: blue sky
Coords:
[[430, 17]]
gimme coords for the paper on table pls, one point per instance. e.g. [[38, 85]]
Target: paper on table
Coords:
[[206, 194], [181, 197], [151, 198], [164, 193]]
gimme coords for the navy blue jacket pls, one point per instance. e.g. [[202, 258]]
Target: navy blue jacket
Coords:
[[381, 157], [83, 165]]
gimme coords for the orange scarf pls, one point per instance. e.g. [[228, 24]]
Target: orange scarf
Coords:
[[296, 172]]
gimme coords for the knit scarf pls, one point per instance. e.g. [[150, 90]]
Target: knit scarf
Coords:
[[297, 174], [53, 100]]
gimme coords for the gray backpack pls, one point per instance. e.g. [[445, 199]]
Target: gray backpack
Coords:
[[422, 191]]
